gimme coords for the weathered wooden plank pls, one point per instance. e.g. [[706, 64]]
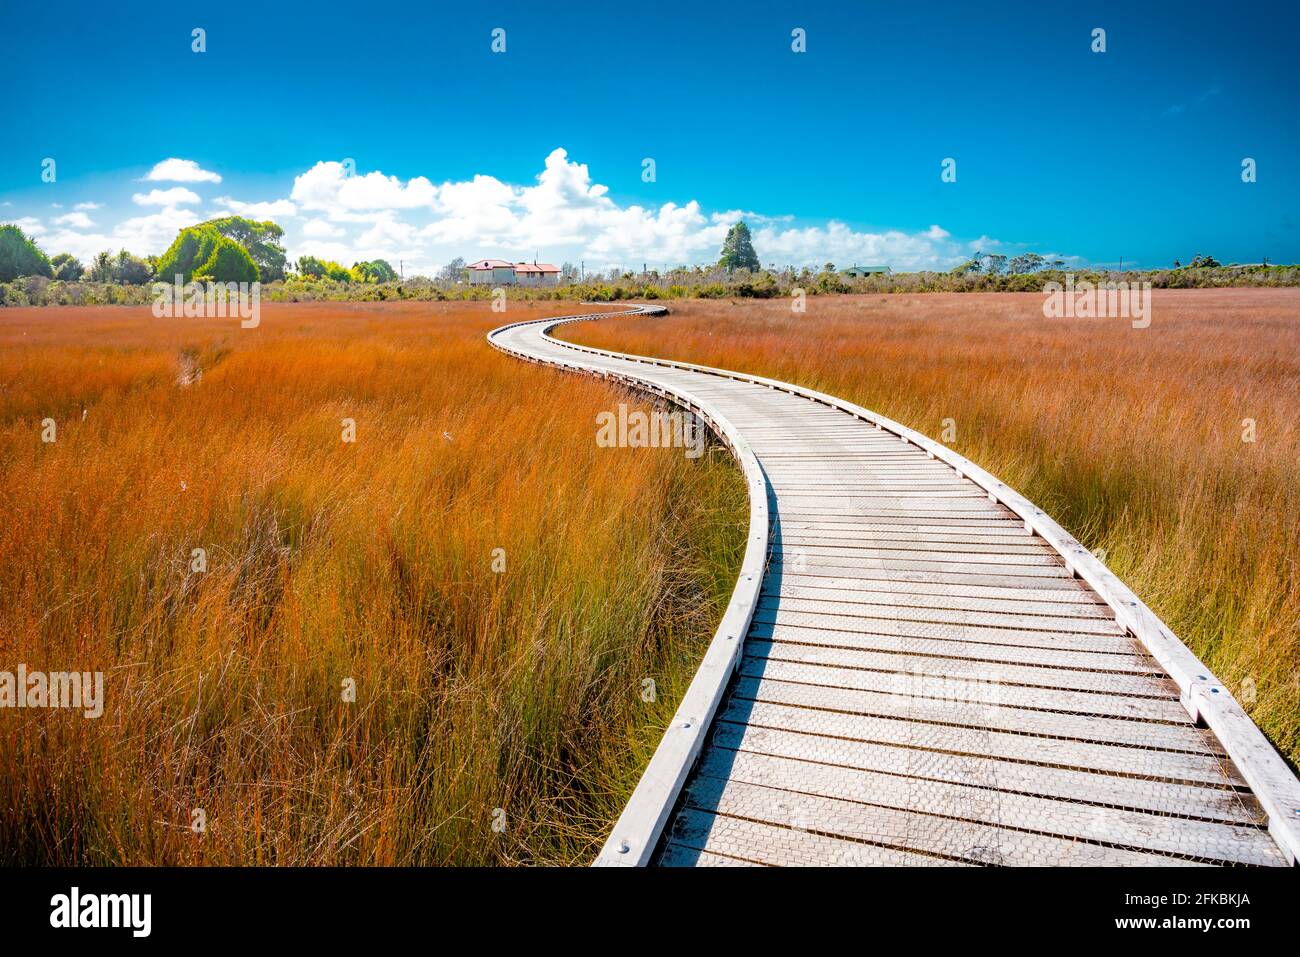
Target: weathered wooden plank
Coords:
[[918, 529], [1068, 591], [810, 628], [765, 627], [959, 583], [964, 692], [879, 512], [992, 523], [866, 502], [838, 567], [839, 490], [994, 674], [951, 555], [942, 493], [927, 611], [820, 544], [786, 589]]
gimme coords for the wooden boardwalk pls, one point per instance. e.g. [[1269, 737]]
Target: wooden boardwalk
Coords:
[[915, 670]]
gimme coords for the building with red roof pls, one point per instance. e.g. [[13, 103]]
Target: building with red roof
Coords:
[[498, 272], [537, 274]]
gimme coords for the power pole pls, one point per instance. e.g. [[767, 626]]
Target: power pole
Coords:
[[401, 269], [582, 265]]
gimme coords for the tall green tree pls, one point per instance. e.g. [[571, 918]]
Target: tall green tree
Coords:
[[67, 267], [1025, 263], [203, 253], [311, 267], [452, 271], [101, 268], [738, 250], [376, 271], [263, 240], [229, 262], [131, 270], [314, 268], [191, 248], [19, 256]]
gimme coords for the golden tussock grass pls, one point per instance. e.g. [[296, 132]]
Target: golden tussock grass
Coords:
[[326, 560], [1131, 438]]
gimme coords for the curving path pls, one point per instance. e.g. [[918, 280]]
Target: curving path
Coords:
[[919, 667]]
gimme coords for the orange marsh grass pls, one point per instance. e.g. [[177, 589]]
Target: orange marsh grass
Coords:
[[1131, 438], [475, 690]]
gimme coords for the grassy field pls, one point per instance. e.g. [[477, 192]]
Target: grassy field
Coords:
[[1131, 438], [476, 689]]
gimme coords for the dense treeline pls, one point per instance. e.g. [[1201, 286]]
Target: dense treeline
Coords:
[[678, 284], [228, 249], [234, 249]]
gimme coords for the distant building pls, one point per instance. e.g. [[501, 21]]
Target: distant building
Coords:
[[537, 274], [855, 272], [498, 272], [491, 272]]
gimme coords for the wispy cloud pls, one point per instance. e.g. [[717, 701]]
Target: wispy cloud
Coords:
[[1175, 108]]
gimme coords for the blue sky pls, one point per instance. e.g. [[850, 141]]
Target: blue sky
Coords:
[[832, 154]]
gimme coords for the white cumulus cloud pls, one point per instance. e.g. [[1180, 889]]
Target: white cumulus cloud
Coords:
[[331, 188], [173, 170], [76, 219], [267, 210], [321, 229], [176, 196]]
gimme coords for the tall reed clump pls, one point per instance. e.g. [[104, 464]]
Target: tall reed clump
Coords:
[[494, 586], [1136, 440]]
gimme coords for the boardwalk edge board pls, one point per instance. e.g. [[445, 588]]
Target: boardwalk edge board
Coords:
[[636, 834]]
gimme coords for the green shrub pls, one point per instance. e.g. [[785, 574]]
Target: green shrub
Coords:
[[201, 252], [229, 262], [261, 239], [377, 271], [131, 270], [67, 267], [189, 250], [19, 256]]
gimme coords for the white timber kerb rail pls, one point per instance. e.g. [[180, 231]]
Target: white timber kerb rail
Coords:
[[877, 556]]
